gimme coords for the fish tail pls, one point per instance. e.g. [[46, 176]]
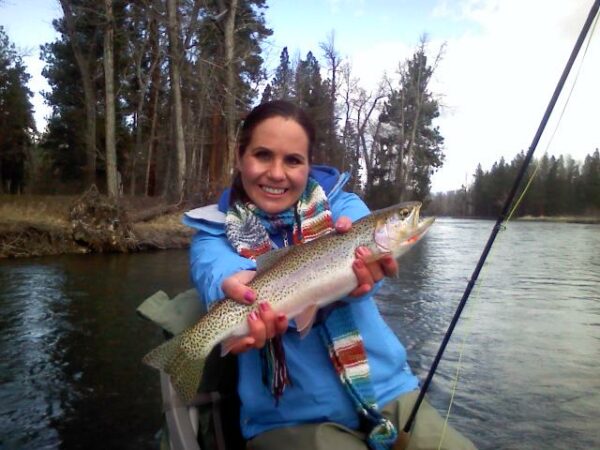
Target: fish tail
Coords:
[[185, 372]]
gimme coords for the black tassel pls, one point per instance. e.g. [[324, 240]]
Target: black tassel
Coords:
[[275, 374]]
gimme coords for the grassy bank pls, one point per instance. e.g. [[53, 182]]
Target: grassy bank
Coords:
[[35, 225]]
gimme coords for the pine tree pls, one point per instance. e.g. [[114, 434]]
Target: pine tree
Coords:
[[282, 84], [590, 176], [410, 146], [311, 95], [16, 118]]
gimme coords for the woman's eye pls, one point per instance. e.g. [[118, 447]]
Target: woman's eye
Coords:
[[262, 155], [293, 161]]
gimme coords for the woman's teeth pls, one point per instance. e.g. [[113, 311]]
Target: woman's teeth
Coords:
[[271, 190]]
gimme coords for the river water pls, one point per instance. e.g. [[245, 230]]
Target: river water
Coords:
[[528, 344]]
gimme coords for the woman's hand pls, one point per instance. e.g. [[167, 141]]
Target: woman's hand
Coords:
[[263, 323], [367, 273]]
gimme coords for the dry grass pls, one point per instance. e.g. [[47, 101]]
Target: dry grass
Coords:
[[40, 224], [44, 210]]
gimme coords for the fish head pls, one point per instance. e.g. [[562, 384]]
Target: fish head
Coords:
[[399, 227]]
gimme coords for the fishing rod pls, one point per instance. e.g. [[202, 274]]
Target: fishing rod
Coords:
[[578, 44]]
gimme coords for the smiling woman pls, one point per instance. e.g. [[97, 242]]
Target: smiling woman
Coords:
[[333, 379], [275, 164], [274, 152]]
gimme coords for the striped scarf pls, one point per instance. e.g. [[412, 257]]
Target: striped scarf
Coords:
[[310, 219], [349, 357], [248, 227]]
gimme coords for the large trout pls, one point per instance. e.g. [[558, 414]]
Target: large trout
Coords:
[[296, 281]]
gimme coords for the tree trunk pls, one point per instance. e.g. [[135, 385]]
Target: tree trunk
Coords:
[[333, 61], [153, 114], [174, 69], [112, 184], [89, 93], [230, 88], [152, 140]]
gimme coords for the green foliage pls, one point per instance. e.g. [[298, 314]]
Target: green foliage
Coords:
[[305, 87], [143, 98], [282, 84], [560, 186], [409, 146], [16, 117]]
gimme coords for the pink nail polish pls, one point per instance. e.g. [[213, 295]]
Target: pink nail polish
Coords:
[[264, 306], [253, 315], [249, 296]]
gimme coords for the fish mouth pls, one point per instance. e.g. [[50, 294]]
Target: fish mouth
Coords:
[[400, 227]]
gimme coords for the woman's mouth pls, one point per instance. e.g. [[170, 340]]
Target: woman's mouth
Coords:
[[273, 190]]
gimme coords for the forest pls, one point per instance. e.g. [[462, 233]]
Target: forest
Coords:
[[552, 187], [147, 97]]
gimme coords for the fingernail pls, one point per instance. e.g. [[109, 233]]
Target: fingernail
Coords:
[[359, 264], [281, 317], [264, 306], [363, 251], [249, 296], [253, 315]]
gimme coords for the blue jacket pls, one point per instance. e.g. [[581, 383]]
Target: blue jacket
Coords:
[[316, 394]]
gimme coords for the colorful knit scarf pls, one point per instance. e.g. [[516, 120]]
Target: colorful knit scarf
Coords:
[[248, 228]]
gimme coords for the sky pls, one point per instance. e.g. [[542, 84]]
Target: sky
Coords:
[[501, 62]]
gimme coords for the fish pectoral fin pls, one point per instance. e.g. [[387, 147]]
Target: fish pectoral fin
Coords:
[[375, 257], [228, 344], [306, 319]]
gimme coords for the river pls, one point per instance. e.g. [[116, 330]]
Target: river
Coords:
[[528, 344]]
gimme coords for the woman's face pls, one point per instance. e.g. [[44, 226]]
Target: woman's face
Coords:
[[274, 168]]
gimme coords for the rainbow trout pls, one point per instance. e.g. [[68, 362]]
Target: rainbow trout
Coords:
[[296, 281]]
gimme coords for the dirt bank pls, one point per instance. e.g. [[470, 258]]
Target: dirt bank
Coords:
[[33, 225]]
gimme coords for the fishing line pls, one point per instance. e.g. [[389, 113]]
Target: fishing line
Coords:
[[576, 78], [508, 219], [501, 218]]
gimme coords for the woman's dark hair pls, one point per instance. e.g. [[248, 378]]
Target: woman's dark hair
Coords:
[[264, 111]]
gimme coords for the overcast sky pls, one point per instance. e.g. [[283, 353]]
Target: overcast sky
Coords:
[[501, 63]]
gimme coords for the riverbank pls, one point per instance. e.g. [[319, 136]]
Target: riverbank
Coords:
[[38, 225], [590, 220]]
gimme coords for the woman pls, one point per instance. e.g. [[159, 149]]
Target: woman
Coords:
[[291, 394]]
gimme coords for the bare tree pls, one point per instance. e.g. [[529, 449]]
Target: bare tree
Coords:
[[366, 104], [112, 183], [230, 86], [174, 69], [333, 62]]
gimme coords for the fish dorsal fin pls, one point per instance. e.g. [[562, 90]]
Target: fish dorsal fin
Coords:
[[267, 260], [306, 319]]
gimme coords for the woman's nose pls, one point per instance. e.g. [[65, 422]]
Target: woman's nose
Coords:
[[276, 171]]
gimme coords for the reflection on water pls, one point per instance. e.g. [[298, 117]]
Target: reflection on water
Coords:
[[530, 335], [70, 342], [70, 350]]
